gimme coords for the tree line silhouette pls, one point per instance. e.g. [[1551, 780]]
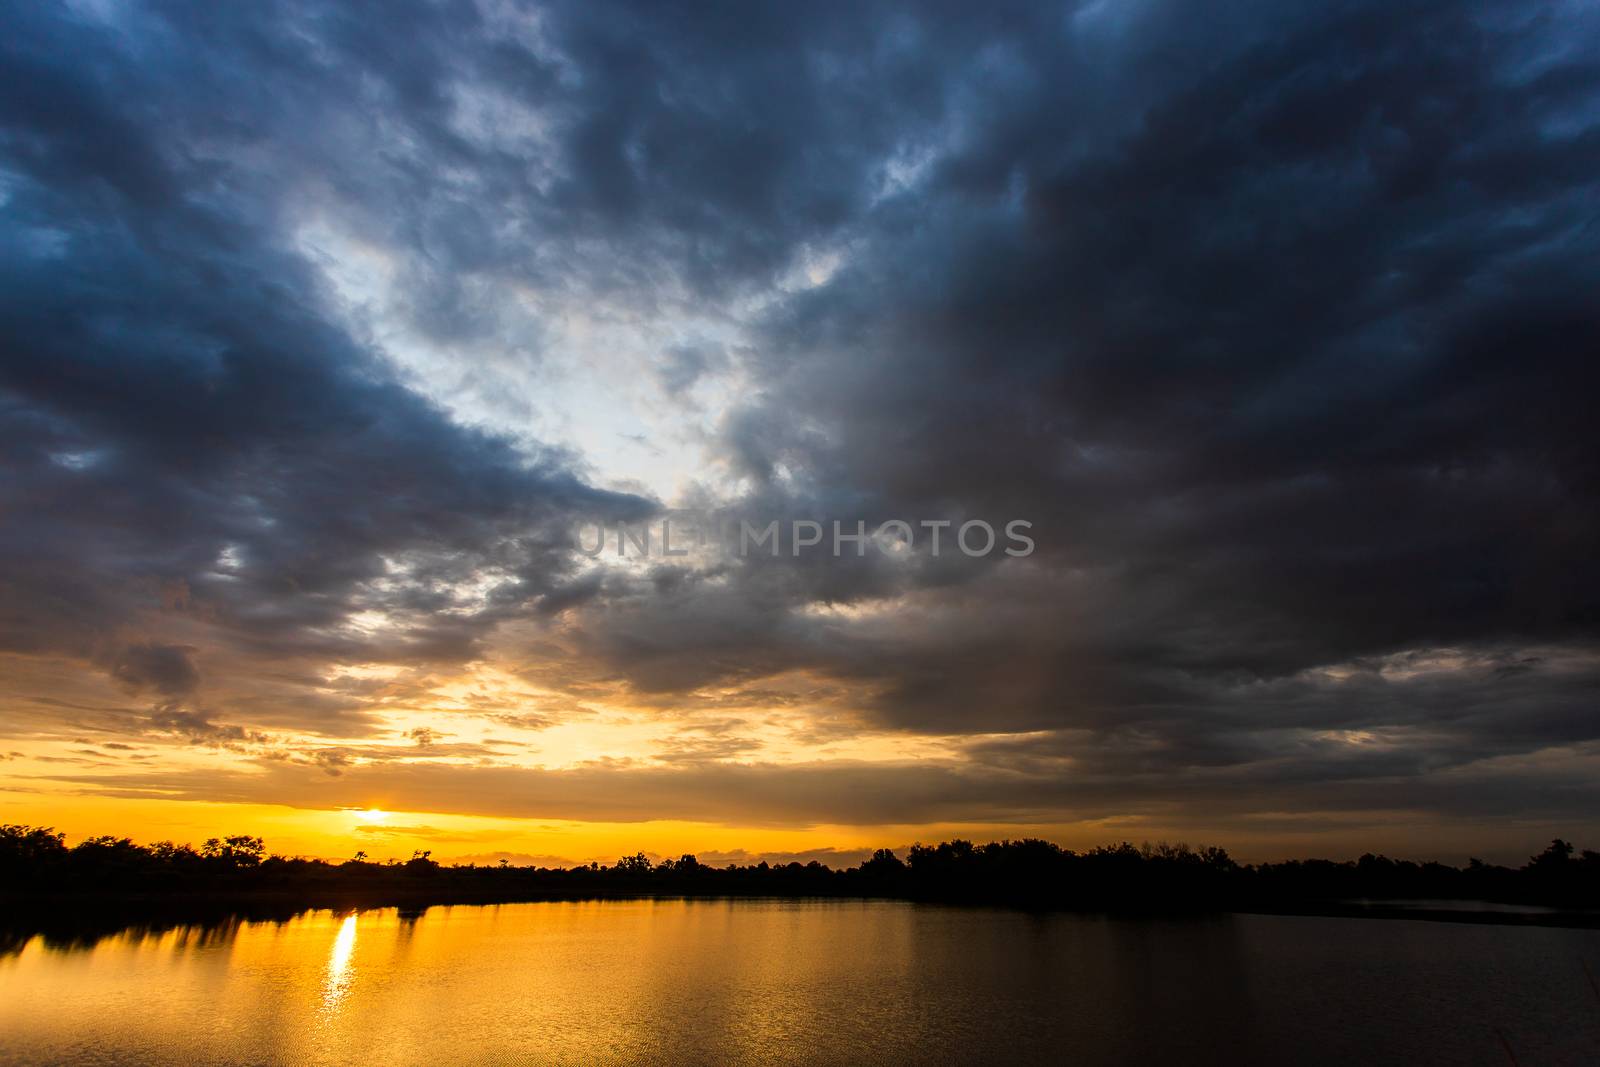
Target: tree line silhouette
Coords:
[[37, 865]]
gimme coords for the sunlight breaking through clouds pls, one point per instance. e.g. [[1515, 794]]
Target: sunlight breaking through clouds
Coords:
[[327, 336]]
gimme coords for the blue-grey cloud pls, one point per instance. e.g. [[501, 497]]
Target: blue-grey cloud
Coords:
[[1278, 323]]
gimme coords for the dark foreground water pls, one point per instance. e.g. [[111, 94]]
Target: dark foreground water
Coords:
[[802, 982]]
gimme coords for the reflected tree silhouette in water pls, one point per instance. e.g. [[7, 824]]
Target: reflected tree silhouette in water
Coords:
[[57, 888]]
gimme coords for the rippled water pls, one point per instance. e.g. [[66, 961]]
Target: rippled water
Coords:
[[793, 982]]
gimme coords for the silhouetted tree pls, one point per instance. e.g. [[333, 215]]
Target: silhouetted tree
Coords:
[[1555, 856], [29, 849], [234, 852], [636, 864], [36, 863], [884, 863]]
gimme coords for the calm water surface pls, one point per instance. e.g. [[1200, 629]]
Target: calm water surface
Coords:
[[802, 982]]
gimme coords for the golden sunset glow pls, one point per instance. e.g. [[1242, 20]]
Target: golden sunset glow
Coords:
[[824, 441]]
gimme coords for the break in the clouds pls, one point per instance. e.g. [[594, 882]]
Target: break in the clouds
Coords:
[[324, 328]]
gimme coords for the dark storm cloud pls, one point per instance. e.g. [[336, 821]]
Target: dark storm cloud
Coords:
[[1240, 361], [1281, 327], [188, 435], [166, 669], [1279, 323]]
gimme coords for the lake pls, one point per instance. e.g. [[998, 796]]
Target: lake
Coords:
[[770, 981]]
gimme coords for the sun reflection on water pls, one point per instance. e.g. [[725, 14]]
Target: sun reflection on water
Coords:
[[339, 970]]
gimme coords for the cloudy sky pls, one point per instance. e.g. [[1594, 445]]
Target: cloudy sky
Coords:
[[327, 331]]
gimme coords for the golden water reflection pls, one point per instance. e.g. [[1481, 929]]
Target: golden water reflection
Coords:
[[339, 972], [766, 981]]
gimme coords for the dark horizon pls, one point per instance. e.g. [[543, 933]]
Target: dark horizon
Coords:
[[12, 834], [42, 880]]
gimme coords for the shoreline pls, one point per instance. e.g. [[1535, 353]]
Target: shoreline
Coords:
[[109, 913]]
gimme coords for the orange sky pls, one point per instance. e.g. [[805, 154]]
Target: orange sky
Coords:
[[483, 764]]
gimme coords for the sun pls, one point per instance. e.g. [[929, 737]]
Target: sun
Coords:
[[370, 815]]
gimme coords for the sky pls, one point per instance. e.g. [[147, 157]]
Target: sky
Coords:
[[326, 332]]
